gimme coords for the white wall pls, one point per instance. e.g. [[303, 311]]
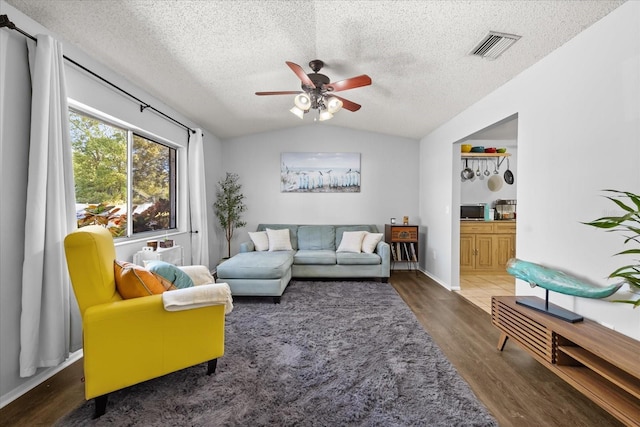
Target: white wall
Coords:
[[389, 183], [15, 107], [578, 131]]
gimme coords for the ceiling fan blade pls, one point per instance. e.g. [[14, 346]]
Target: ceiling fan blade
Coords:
[[301, 74], [348, 105], [353, 82], [282, 92]]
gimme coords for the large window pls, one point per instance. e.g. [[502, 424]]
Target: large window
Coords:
[[121, 174]]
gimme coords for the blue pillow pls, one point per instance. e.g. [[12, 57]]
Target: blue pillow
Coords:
[[170, 272]]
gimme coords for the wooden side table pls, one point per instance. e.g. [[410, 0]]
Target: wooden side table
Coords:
[[173, 255], [403, 241]]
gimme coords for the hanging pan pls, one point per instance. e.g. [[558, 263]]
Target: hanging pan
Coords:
[[467, 172], [508, 175]]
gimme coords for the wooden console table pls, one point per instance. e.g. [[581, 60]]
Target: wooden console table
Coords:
[[601, 363]]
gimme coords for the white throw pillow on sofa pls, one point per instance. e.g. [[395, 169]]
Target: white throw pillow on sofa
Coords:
[[370, 242], [351, 241], [260, 240], [279, 240]]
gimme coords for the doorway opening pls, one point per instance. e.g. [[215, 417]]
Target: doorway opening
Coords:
[[488, 242]]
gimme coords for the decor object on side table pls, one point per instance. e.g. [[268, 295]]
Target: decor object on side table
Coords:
[[628, 222], [165, 244], [557, 281], [229, 206]]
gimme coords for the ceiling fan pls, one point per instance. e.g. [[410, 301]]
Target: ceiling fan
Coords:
[[317, 91]]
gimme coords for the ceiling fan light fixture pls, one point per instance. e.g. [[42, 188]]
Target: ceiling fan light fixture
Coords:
[[317, 91], [333, 104], [324, 115], [302, 101], [298, 112]]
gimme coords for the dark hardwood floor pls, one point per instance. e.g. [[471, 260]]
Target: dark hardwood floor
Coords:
[[49, 401], [517, 389]]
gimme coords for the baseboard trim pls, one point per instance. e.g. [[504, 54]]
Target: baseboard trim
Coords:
[[438, 280], [38, 379]]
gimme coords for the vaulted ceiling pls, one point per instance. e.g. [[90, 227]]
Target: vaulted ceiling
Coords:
[[206, 59]]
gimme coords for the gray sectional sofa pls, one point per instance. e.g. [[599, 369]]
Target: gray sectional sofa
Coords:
[[314, 254]]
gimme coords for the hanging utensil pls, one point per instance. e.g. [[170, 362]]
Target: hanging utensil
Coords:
[[486, 168], [508, 175], [467, 172], [478, 169], [495, 164]]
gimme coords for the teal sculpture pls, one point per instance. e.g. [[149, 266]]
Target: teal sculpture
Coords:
[[557, 281]]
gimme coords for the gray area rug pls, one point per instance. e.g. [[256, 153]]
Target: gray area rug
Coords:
[[330, 354]]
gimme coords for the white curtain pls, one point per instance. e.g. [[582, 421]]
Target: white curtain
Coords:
[[198, 201], [49, 310]]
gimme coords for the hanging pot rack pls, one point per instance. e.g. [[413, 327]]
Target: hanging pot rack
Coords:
[[499, 156]]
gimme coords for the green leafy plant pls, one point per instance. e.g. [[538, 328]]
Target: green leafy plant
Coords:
[[229, 206], [628, 223], [155, 217], [106, 216]]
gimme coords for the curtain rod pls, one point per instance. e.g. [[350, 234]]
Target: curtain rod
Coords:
[[5, 22]]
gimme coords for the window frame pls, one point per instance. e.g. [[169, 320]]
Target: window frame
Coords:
[[180, 171]]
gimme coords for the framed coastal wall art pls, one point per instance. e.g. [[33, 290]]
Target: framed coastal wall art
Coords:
[[320, 173]]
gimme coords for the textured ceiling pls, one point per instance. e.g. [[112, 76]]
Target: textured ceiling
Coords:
[[207, 58]]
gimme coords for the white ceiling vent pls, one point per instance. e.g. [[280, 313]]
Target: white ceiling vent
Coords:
[[493, 44]]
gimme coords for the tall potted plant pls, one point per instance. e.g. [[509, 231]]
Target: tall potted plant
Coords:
[[229, 206], [628, 223]]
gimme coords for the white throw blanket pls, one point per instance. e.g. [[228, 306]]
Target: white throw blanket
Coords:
[[198, 296]]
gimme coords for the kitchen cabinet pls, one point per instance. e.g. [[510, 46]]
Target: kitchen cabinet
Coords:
[[486, 246]]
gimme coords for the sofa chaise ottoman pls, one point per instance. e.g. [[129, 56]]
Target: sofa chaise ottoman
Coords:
[[277, 253]]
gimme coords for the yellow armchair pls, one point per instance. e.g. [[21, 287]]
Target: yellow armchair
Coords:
[[130, 341]]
